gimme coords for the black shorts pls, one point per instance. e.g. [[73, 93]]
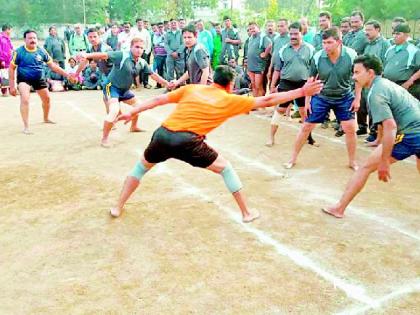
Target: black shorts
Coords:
[[185, 146], [286, 85], [36, 84]]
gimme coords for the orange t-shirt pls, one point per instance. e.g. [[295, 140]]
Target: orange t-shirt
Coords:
[[202, 108]]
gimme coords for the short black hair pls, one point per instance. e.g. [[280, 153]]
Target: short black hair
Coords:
[[6, 27], [51, 27], [139, 19], [92, 30], [296, 26], [374, 23], [358, 13], [283, 20], [127, 23], [333, 32], [402, 28], [190, 28], [326, 14], [223, 75], [399, 19], [345, 20], [370, 62], [226, 17], [28, 32]]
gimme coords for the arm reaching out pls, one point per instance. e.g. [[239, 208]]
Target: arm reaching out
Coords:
[[141, 107], [310, 88]]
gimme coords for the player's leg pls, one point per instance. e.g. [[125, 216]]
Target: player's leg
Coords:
[[356, 183], [114, 109], [132, 101], [130, 185], [46, 104], [233, 183], [25, 92], [274, 125]]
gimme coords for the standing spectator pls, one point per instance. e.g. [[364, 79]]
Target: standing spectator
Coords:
[[345, 28], [78, 41], [112, 40], [217, 45], [142, 33], [324, 21], [124, 37], [93, 77], [282, 39], [357, 37], [204, 37], [182, 23], [159, 52], [402, 61], [55, 46], [6, 49], [197, 60], [308, 34], [174, 46], [231, 41], [377, 46], [68, 32], [259, 49]]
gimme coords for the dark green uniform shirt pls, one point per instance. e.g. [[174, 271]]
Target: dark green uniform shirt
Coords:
[[257, 44], [377, 47], [124, 69], [294, 65], [278, 42], [388, 100], [357, 40], [401, 62], [337, 78]]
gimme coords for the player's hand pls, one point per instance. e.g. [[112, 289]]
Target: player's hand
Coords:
[[12, 91], [355, 105], [174, 55], [126, 117], [407, 84], [384, 173], [312, 87], [263, 55], [273, 89], [72, 77], [308, 109], [82, 56]]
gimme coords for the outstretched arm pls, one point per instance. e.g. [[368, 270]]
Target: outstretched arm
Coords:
[[146, 105], [57, 69], [310, 88]]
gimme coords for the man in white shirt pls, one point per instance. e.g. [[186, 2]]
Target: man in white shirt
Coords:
[[142, 32], [124, 37]]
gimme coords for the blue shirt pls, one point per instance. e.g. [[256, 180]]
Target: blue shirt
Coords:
[[30, 63]]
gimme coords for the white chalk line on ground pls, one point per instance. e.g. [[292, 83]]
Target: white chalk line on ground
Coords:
[[390, 223], [338, 141], [355, 292], [399, 292]]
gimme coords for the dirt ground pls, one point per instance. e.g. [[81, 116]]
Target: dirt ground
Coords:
[[180, 247]]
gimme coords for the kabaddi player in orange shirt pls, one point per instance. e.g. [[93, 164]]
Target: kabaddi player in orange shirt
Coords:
[[200, 109]]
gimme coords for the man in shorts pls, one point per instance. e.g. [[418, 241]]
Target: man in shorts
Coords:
[[292, 66], [126, 65], [333, 64], [399, 113], [200, 109], [29, 60]]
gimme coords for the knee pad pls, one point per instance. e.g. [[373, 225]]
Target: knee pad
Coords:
[[138, 171], [114, 109], [275, 120], [231, 179]]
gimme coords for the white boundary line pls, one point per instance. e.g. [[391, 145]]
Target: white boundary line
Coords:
[[401, 291]]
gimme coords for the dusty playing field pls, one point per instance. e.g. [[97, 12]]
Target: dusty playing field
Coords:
[[180, 247]]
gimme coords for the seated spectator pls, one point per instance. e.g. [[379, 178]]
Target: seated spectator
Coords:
[[70, 69], [55, 81], [93, 77], [242, 81]]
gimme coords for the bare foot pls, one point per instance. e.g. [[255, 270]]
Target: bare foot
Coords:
[[105, 143], [354, 166], [269, 143], [251, 217], [334, 212], [26, 131], [289, 165], [136, 129], [48, 121], [115, 212]]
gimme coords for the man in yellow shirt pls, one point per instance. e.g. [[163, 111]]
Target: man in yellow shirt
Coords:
[[200, 109]]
